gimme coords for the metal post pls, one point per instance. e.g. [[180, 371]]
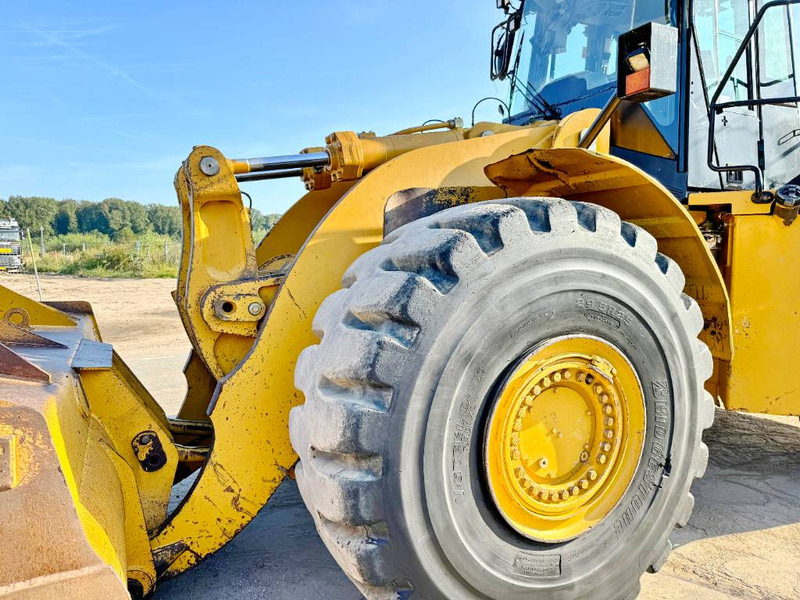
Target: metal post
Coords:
[[138, 247], [41, 240], [35, 270], [166, 256], [64, 248]]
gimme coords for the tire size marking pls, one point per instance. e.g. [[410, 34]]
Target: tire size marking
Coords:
[[462, 434], [537, 566], [654, 470], [605, 312]]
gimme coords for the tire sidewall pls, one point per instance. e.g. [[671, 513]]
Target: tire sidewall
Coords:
[[511, 305]]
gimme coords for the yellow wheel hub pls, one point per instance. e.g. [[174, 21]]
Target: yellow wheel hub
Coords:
[[564, 438]]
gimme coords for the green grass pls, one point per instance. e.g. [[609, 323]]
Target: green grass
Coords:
[[94, 255]]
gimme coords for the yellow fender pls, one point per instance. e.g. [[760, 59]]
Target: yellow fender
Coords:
[[578, 174]]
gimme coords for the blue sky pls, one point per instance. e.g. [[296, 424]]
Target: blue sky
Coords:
[[102, 99]]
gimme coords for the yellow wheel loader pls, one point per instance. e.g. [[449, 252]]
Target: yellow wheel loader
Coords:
[[487, 353]]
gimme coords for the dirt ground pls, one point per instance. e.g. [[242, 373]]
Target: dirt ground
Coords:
[[743, 540]]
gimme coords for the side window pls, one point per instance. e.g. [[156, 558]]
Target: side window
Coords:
[[721, 26], [775, 48]]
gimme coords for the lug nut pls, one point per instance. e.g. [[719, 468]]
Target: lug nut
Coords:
[[519, 472], [609, 421], [601, 459], [608, 433], [607, 409], [255, 308], [606, 447], [592, 474], [518, 425], [581, 376], [598, 389], [556, 377], [583, 483], [515, 454], [546, 382], [575, 490], [567, 375], [604, 398], [564, 495], [537, 390]]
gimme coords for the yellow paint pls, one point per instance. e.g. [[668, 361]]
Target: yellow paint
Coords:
[[125, 408], [565, 438], [764, 287], [251, 452], [736, 202]]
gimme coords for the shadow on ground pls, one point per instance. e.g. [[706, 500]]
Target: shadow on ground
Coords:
[[752, 485]]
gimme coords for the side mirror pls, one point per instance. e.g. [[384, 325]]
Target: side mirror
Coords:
[[647, 63], [503, 37]]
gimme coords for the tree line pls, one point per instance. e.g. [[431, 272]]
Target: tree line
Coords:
[[118, 219]]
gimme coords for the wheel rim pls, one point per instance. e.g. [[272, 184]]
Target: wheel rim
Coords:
[[564, 438]]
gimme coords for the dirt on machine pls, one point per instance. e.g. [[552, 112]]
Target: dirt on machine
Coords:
[[487, 353]]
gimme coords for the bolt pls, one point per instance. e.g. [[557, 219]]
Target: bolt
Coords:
[[515, 454], [515, 439], [592, 474], [606, 447], [564, 495], [583, 483], [581, 376], [546, 382], [609, 421], [556, 377], [598, 389], [145, 439], [608, 433], [575, 490], [519, 472], [584, 456], [567, 375], [529, 401], [554, 496], [522, 412], [518, 425], [209, 165], [255, 308], [543, 463], [607, 409], [601, 459], [537, 390], [604, 398]]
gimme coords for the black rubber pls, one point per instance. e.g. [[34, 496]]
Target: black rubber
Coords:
[[391, 435]]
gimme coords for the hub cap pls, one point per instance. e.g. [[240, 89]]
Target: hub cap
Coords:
[[564, 438]]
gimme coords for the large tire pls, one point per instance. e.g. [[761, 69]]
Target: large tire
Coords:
[[425, 327]]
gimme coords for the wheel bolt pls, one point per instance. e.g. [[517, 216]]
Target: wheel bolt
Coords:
[[556, 377], [592, 474], [518, 425], [575, 490], [564, 495], [605, 446], [607, 409], [601, 459], [567, 375], [608, 433], [609, 421], [583, 483], [546, 382]]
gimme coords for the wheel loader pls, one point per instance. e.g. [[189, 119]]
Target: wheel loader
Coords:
[[486, 353]]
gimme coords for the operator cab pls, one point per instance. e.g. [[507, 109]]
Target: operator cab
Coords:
[[561, 57]]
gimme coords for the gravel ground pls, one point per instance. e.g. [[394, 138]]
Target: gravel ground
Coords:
[[743, 540]]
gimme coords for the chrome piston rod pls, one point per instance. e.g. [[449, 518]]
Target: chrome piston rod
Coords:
[[291, 165], [279, 174]]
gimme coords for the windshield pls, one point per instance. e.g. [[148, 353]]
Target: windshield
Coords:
[[567, 50], [9, 236]]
